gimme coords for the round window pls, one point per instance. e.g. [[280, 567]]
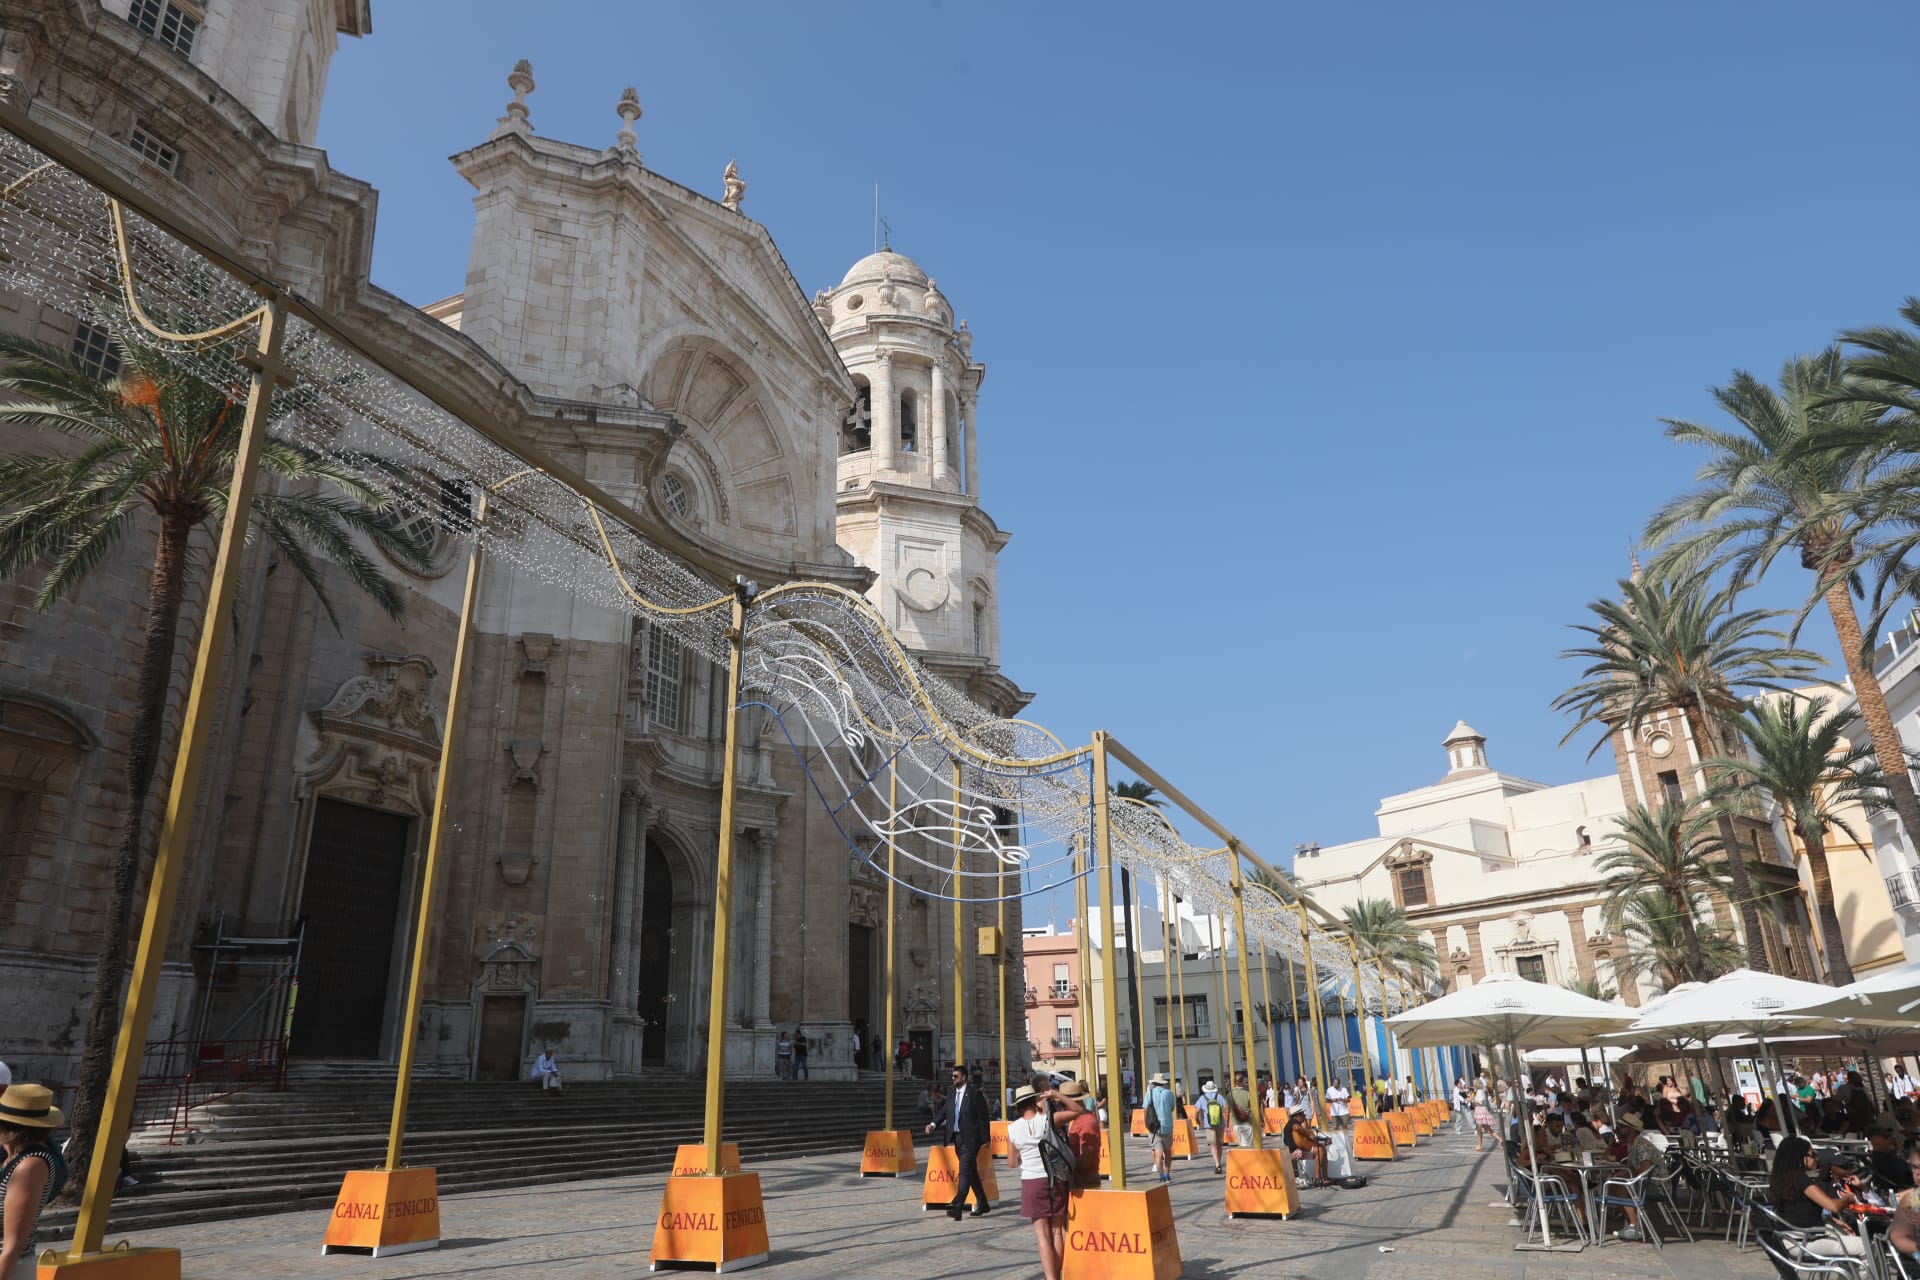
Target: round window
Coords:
[[856, 302], [674, 493]]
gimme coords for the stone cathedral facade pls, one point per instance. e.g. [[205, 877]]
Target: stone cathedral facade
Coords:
[[649, 335]]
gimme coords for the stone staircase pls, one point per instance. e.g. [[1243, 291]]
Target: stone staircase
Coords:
[[270, 1152]]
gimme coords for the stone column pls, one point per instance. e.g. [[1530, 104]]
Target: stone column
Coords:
[[1476, 958], [937, 417], [970, 409], [886, 412], [623, 987], [763, 933]]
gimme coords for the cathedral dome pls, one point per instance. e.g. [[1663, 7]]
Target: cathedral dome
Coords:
[[877, 266]]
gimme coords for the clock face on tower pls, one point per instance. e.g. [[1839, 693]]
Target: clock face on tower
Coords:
[[1660, 746]]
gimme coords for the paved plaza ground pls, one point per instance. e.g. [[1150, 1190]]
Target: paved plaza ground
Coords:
[[1435, 1209]]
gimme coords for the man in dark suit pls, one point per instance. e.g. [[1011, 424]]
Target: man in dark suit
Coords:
[[964, 1119]]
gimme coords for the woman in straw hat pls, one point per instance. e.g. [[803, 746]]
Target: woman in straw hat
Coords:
[[1043, 1201], [27, 1121]]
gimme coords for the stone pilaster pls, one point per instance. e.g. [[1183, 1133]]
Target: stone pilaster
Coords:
[[937, 417], [970, 408], [886, 412]]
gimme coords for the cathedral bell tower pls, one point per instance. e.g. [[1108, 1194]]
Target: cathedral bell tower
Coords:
[[908, 485]]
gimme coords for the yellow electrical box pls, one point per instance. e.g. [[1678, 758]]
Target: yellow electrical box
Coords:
[[989, 940]]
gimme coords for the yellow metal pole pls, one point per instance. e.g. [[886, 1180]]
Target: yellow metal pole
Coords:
[[1139, 982], [1246, 991], [183, 792], [1360, 1005], [1103, 867], [1083, 957], [1273, 1055], [1218, 927], [1316, 1017], [436, 841], [959, 935], [893, 990], [1180, 973], [723, 888], [1000, 970], [1293, 997]]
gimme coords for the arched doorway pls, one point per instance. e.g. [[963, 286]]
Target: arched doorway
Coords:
[[657, 958]]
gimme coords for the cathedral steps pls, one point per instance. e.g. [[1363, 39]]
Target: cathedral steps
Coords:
[[267, 1153]]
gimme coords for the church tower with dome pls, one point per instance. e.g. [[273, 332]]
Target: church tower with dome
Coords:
[[907, 497]]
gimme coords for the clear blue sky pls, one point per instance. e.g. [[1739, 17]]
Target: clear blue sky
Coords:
[[1325, 342]]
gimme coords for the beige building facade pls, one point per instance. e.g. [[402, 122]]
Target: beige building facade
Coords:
[[652, 337]]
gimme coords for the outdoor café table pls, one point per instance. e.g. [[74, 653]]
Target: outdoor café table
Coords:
[[1592, 1178]]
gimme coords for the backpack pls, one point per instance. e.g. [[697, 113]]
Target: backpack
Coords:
[[1056, 1157], [1153, 1114], [1216, 1116], [1239, 1112]]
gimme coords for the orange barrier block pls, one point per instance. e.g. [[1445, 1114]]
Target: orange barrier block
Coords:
[[1182, 1138], [690, 1159], [1400, 1125], [998, 1138], [1139, 1127], [114, 1264], [1193, 1117], [888, 1154], [1105, 1170], [1422, 1122], [1275, 1121], [943, 1178], [1121, 1235], [1372, 1140], [719, 1221], [381, 1212], [1260, 1184]]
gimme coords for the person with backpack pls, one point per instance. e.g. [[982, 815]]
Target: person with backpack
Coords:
[[1160, 1107], [1240, 1102], [1075, 1112], [1212, 1110], [1043, 1199], [33, 1173]]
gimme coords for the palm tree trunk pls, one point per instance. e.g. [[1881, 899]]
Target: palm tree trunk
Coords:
[[1839, 972], [1872, 701], [164, 592], [1708, 743], [1690, 935]]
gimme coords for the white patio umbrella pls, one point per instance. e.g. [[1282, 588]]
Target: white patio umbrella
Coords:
[[1506, 1009], [1741, 1003], [1878, 1012]]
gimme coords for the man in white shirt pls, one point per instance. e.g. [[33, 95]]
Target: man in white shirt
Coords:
[[1462, 1103], [1901, 1085], [1339, 1104]]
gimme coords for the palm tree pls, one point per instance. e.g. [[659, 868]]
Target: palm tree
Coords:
[[1672, 849], [154, 451], [1801, 757], [1593, 989], [1381, 927], [1791, 478], [1657, 949], [1679, 642]]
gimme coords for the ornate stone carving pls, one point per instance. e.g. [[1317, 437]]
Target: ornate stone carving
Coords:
[[736, 189], [16, 66], [526, 753], [379, 736], [884, 357], [517, 119], [628, 110], [537, 647], [863, 906], [506, 964]]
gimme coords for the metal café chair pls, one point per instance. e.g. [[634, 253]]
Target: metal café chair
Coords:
[[1645, 1195], [1551, 1190], [1793, 1261]]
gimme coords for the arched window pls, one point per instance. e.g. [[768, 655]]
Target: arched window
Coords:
[[856, 429], [673, 491], [909, 422]]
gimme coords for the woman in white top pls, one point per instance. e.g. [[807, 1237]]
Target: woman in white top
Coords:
[[1042, 1200], [547, 1071], [1338, 1108]]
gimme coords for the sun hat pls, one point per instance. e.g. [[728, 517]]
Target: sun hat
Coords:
[[1024, 1094], [1205, 1085], [1159, 1077], [1631, 1121], [1074, 1089], [30, 1106]]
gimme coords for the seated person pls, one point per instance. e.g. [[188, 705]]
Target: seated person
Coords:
[[1306, 1144], [1799, 1192], [1639, 1154], [1586, 1139], [1904, 1234], [1558, 1135]]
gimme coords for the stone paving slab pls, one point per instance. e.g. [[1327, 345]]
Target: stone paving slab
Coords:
[[1436, 1209]]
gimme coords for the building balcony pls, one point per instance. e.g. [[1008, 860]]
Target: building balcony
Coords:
[[1065, 1042], [1903, 889]]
